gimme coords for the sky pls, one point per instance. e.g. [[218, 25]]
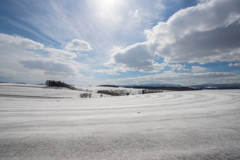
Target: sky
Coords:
[[122, 42]]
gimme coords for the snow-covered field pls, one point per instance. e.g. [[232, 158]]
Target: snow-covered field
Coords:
[[46, 123]]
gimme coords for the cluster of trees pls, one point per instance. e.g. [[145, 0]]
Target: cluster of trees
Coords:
[[52, 83], [86, 95], [146, 91], [114, 93]]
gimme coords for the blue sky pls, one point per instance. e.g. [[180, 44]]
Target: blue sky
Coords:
[[91, 42]]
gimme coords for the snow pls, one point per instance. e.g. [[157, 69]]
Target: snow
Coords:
[[95, 89], [46, 123]]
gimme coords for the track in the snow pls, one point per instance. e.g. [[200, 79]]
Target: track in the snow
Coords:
[[169, 125]]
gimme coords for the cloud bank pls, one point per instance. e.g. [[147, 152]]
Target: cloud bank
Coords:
[[25, 60], [17, 41], [208, 32]]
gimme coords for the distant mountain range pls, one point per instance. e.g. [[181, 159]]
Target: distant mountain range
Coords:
[[217, 86], [179, 87], [171, 87], [152, 85]]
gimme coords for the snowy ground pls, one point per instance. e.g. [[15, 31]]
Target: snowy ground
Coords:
[[42, 123]]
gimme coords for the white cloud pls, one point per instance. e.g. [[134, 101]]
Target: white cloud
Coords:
[[178, 67], [208, 32], [107, 71], [78, 45], [136, 15], [49, 67], [18, 41], [135, 57], [25, 60], [234, 64], [198, 69], [61, 54], [198, 33], [138, 57]]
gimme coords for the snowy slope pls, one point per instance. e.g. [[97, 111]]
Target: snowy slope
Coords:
[[37, 91], [169, 125]]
